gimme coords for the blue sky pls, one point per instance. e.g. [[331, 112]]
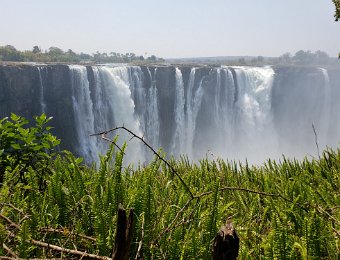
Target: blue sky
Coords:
[[172, 28]]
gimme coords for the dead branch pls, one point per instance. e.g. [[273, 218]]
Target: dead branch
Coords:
[[13, 207], [316, 141], [103, 136], [67, 251], [123, 235], [65, 233], [140, 244], [9, 251], [12, 224], [168, 228], [112, 142], [255, 192], [226, 243], [54, 247]]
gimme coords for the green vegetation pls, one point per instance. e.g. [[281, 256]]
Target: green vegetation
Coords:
[[55, 54], [299, 58], [281, 210], [26, 149], [305, 58]]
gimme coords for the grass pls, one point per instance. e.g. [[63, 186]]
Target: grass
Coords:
[[281, 210]]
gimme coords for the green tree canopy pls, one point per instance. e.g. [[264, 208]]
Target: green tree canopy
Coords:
[[36, 49]]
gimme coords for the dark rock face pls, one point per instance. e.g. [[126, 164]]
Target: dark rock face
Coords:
[[20, 93], [165, 82], [205, 119], [59, 100]]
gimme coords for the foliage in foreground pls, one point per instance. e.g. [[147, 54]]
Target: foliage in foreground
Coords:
[[281, 210]]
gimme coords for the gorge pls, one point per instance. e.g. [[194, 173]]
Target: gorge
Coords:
[[232, 112]]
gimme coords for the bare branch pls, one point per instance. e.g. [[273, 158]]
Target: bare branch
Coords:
[[63, 232], [316, 141], [13, 207], [10, 221], [168, 228], [67, 251], [150, 147], [140, 244], [9, 251], [112, 142]]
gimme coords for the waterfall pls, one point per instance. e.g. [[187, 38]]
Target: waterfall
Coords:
[[234, 112], [151, 109], [225, 113], [42, 99], [179, 137], [193, 104], [235, 100], [116, 83], [253, 114], [83, 113], [326, 109], [218, 96]]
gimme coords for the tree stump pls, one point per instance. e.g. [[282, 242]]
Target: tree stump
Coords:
[[226, 243], [123, 237]]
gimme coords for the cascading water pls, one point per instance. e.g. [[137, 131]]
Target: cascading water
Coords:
[[179, 135], [83, 113], [193, 104], [233, 112], [151, 110], [255, 137], [326, 113], [42, 99], [189, 128], [120, 107]]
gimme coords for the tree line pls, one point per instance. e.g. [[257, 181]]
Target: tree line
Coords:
[[300, 58], [55, 54], [305, 58]]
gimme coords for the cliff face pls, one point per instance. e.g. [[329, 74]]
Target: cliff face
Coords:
[[19, 91], [24, 89], [183, 110]]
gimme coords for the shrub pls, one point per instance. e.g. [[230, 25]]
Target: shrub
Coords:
[[26, 149]]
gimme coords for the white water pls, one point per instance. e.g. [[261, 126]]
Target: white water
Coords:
[[178, 145], [193, 104], [255, 137], [235, 101], [326, 113], [42, 99], [116, 83], [83, 113], [151, 112]]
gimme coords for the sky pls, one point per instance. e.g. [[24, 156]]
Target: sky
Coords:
[[172, 28]]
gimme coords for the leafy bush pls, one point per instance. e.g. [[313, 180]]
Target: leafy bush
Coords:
[[26, 148], [281, 210]]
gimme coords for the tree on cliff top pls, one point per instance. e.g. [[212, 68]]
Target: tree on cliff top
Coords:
[[337, 9]]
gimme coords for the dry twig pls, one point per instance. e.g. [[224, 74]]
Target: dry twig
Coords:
[[9, 251], [139, 250], [103, 136]]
